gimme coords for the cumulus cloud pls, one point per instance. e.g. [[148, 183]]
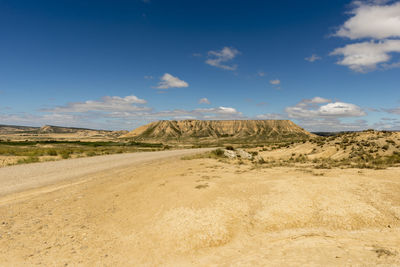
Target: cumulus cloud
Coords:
[[377, 21], [220, 58], [372, 21], [321, 114], [204, 100], [313, 108], [365, 56], [169, 81], [107, 103], [275, 82], [313, 58]]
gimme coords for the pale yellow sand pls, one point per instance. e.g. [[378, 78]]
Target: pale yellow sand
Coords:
[[206, 213]]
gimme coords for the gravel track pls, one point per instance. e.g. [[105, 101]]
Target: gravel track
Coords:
[[27, 176]]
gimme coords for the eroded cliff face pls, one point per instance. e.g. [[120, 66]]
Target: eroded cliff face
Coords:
[[246, 130]]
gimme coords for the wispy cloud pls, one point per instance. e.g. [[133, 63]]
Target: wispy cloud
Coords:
[[275, 82], [220, 58], [271, 116], [169, 81], [261, 74], [204, 100], [392, 110], [313, 58]]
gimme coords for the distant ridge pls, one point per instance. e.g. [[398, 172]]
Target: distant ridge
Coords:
[[214, 130], [56, 130]]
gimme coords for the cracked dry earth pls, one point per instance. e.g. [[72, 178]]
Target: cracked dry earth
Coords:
[[203, 212]]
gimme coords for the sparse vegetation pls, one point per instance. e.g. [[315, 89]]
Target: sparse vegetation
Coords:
[[36, 151], [365, 150]]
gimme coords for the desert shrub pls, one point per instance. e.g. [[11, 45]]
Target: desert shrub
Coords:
[[229, 148], [65, 154], [323, 165], [52, 152], [389, 141], [90, 154], [28, 160], [254, 153], [218, 152]]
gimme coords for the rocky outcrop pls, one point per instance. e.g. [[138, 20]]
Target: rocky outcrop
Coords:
[[234, 130]]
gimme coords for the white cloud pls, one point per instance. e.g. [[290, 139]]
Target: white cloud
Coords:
[[340, 109], [365, 56], [220, 58], [220, 111], [372, 21], [169, 81], [275, 82], [375, 20], [148, 77], [107, 103], [313, 58], [204, 101], [271, 116], [313, 108]]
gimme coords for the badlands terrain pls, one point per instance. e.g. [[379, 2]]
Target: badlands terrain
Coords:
[[314, 201]]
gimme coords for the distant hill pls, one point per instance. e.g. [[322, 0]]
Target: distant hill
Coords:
[[49, 131], [216, 130], [12, 129]]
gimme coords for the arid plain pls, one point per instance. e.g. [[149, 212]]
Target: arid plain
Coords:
[[317, 202]]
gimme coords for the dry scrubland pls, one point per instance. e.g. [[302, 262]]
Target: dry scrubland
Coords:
[[21, 152], [327, 201], [21, 144]]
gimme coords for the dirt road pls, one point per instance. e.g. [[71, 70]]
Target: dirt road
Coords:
[[23, 177]]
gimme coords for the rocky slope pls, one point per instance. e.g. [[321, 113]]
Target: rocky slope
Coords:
[[214, 130]]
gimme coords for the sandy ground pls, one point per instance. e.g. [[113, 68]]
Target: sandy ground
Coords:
[[202, 212], [24, 177]]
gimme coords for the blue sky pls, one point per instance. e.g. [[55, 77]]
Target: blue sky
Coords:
[[326, 65]]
